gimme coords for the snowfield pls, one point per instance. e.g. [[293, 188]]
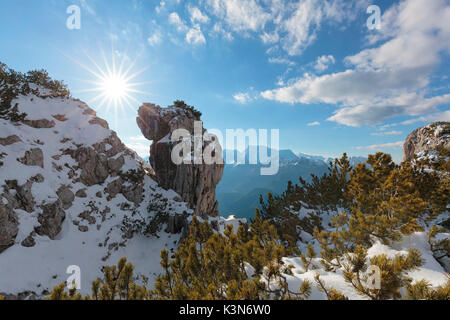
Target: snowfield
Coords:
[[39, 268]]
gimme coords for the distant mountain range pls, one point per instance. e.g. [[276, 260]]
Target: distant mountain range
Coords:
[[241, 185]]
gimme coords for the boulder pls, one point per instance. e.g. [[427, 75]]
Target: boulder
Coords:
[[9, 226], [81, 193], [29, 241], [51, 220], [40, 124], [432, 137], [98, 162], [195, 183], [66, 196], [9, 140], [33, 157]]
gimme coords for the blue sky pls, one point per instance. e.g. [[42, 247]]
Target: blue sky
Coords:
[[311, 69]]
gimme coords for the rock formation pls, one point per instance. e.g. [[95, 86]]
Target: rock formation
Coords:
[[432, 137], [72, 193], [196, 183], [9, 227]]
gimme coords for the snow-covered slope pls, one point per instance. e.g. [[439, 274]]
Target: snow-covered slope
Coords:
[[72, 194], [431, 270]]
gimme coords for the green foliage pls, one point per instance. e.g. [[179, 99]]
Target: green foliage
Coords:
[[117, 284], [422, 290], [392, 272], [134, 176], [331, 293], [440, 248], [375, 201], [13, 84], [323, 194], [307, 259], [335, 243], [208, 265], [182, 104], [151, 224], [386, 201]]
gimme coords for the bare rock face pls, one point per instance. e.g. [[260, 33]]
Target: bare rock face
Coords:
[[19, 196], [9, 140], [9, 226], [97, 162], [33, 157], [196, 183], [432, 137], [133, 192], [66, 196], [40, 124], [51, 219]]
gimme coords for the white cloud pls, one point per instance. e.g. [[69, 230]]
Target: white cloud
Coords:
[[197, 15], [155, 39], [270, 38], [161, 7], [219, 30], [242, 97], [247, 96], [437, 116], [389, 80], [386, 133], [195, 36], [323, 62], [138, 138], [313, 124], [175, 19], [281, 61], [379, 147], [301, 26], [240, 15]]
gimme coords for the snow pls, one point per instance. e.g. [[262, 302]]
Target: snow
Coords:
[[44, 265], [432, 271]]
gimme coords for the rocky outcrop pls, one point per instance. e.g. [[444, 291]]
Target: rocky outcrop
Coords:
[[9, 226], [178, 223], [196, 183], [33, 157], [66, 196], [432, 137], [133, 192], [9, 140], [40, 124], [68, 184], [99, 121], [51, 219], [19, 196], [98, 162]]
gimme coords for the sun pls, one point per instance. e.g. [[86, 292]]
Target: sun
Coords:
[[114, 87], [114, 84]]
